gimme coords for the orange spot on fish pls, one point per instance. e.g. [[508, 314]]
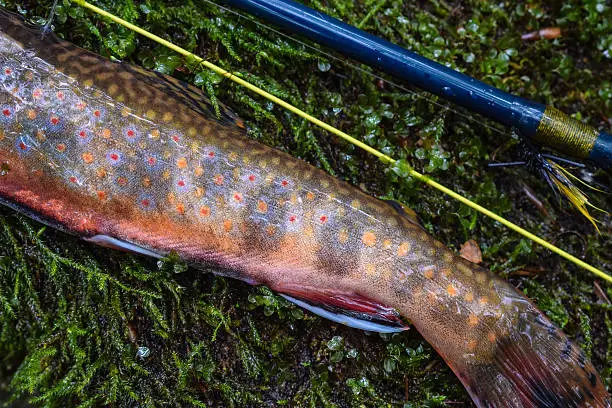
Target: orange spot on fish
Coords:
[[483, 300], [101, 195], [428, 271], [227, 225], [180, 208], [310, 196], [199, 192], [471, 345], [218, 180], [343, 236], [403, 249], [205, 211], [262, 207], [122, 181], [101, 172], [368, 239], [199, 171], [181, 163], [469, 297], [106, 133], [491, 336], [270, 230], [146, 182], [88, 157], [31, 114], [451, 290], [472, 320]]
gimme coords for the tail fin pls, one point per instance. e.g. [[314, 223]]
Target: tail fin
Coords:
[[535, 365]]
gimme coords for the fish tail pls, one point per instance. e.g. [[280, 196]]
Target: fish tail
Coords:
[[534, 365]]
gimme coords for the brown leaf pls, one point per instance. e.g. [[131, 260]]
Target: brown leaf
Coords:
[[549, 33], [471, 251]]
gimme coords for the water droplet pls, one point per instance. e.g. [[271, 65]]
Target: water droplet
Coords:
[[143, 352], [4, 169], [472, 94], [324, 66], [448, 91]]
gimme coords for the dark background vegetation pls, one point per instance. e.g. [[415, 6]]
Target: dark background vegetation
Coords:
[[76, 321]]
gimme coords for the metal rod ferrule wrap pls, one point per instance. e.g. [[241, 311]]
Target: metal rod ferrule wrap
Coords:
[[565, 134]]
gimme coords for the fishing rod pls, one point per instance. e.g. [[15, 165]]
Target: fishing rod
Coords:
[[541, 124]]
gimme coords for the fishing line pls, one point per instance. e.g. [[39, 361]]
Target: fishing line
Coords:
[[347, 63], [381, 156]]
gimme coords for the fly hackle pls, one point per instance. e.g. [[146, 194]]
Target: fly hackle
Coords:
[[564, 184]]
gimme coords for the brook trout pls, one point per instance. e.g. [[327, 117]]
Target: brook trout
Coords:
[[127, 159]]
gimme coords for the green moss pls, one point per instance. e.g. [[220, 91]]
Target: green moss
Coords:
[[81, 325]]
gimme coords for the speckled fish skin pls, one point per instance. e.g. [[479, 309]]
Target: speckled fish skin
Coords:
[[106, 150]]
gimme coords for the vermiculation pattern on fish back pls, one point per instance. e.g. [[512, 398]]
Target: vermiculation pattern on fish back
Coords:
[[99, 148]]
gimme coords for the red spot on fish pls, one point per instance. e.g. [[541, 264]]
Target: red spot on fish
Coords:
[[292, 218], [54, 120], [60, 95], [205, 211], [181, 183], [145, 203], [252, 177], [130, 133], [97, 113], [284, 183], [114, 156], [8, 71], [37, 93], [175, 138], [83, 134], [61, 148], [73, 179], [211, 154], [238, 197], [81, 105], [6, 112], [23, 146], [323, 219], [152, 161]]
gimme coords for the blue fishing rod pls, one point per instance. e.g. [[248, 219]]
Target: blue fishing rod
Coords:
[[536, 122]]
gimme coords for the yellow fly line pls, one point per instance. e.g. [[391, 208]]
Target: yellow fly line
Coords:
[[383, 157]]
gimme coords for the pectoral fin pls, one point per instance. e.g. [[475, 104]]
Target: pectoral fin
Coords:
[[350, 309], [114, 243]]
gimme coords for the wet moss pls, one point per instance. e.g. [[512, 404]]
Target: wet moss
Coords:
[[86, 326]]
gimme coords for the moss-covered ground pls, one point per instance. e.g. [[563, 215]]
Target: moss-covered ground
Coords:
[[85, 326]]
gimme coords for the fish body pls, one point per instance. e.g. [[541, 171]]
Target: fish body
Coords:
[[123, 158]]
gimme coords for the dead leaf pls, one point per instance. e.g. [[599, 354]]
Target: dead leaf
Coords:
[[549, 33], [471, 251]]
